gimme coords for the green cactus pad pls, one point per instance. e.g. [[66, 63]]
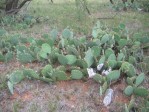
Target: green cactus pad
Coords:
[[76, 74], [96, 50], [113, 75], [72, 50], [129, 81], [120, 56], [132, 60], [46, 70], [8, 56], [105, 38], [102, 59], [104, 87], [46, 48], [98, 78], [128, 90], [140, 91], [54, 34], [60, 75], [61, 68], [30, 73], [71, 59], [81, 63], [122, 43], [16, 77], [112, 57], [67, 33], [112, 63], [25, 57], [140, 79], [108, 52], [128, 69], [10, 86], [89, 57], [62, 59]]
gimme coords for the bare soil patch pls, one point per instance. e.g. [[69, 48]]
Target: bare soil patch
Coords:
[[62, 96]]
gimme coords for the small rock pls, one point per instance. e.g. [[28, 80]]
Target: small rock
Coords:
[[91, 72], [108, 97], [100, 66], [106, 72]]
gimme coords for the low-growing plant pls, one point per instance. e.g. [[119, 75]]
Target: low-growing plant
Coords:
[[117, 53]]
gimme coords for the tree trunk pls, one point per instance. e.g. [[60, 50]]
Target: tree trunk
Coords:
[[111, 1], [9, 5], [132, 1], [85, 6], [124, 1], [13, 6], [22, 4]]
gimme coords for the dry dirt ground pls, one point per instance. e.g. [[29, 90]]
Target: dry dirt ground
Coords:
[[63, 96]]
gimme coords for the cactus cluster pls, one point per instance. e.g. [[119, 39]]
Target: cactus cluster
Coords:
[[133, 86], [108, 53]]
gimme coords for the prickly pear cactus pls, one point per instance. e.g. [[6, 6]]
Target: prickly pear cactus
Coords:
[[111, 55], [128, 90], [89, 57], [60, 75], [47, 70], [62, 59], [25, 57], [71, 59], [113, 75], [128, 69], [76, 74]]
